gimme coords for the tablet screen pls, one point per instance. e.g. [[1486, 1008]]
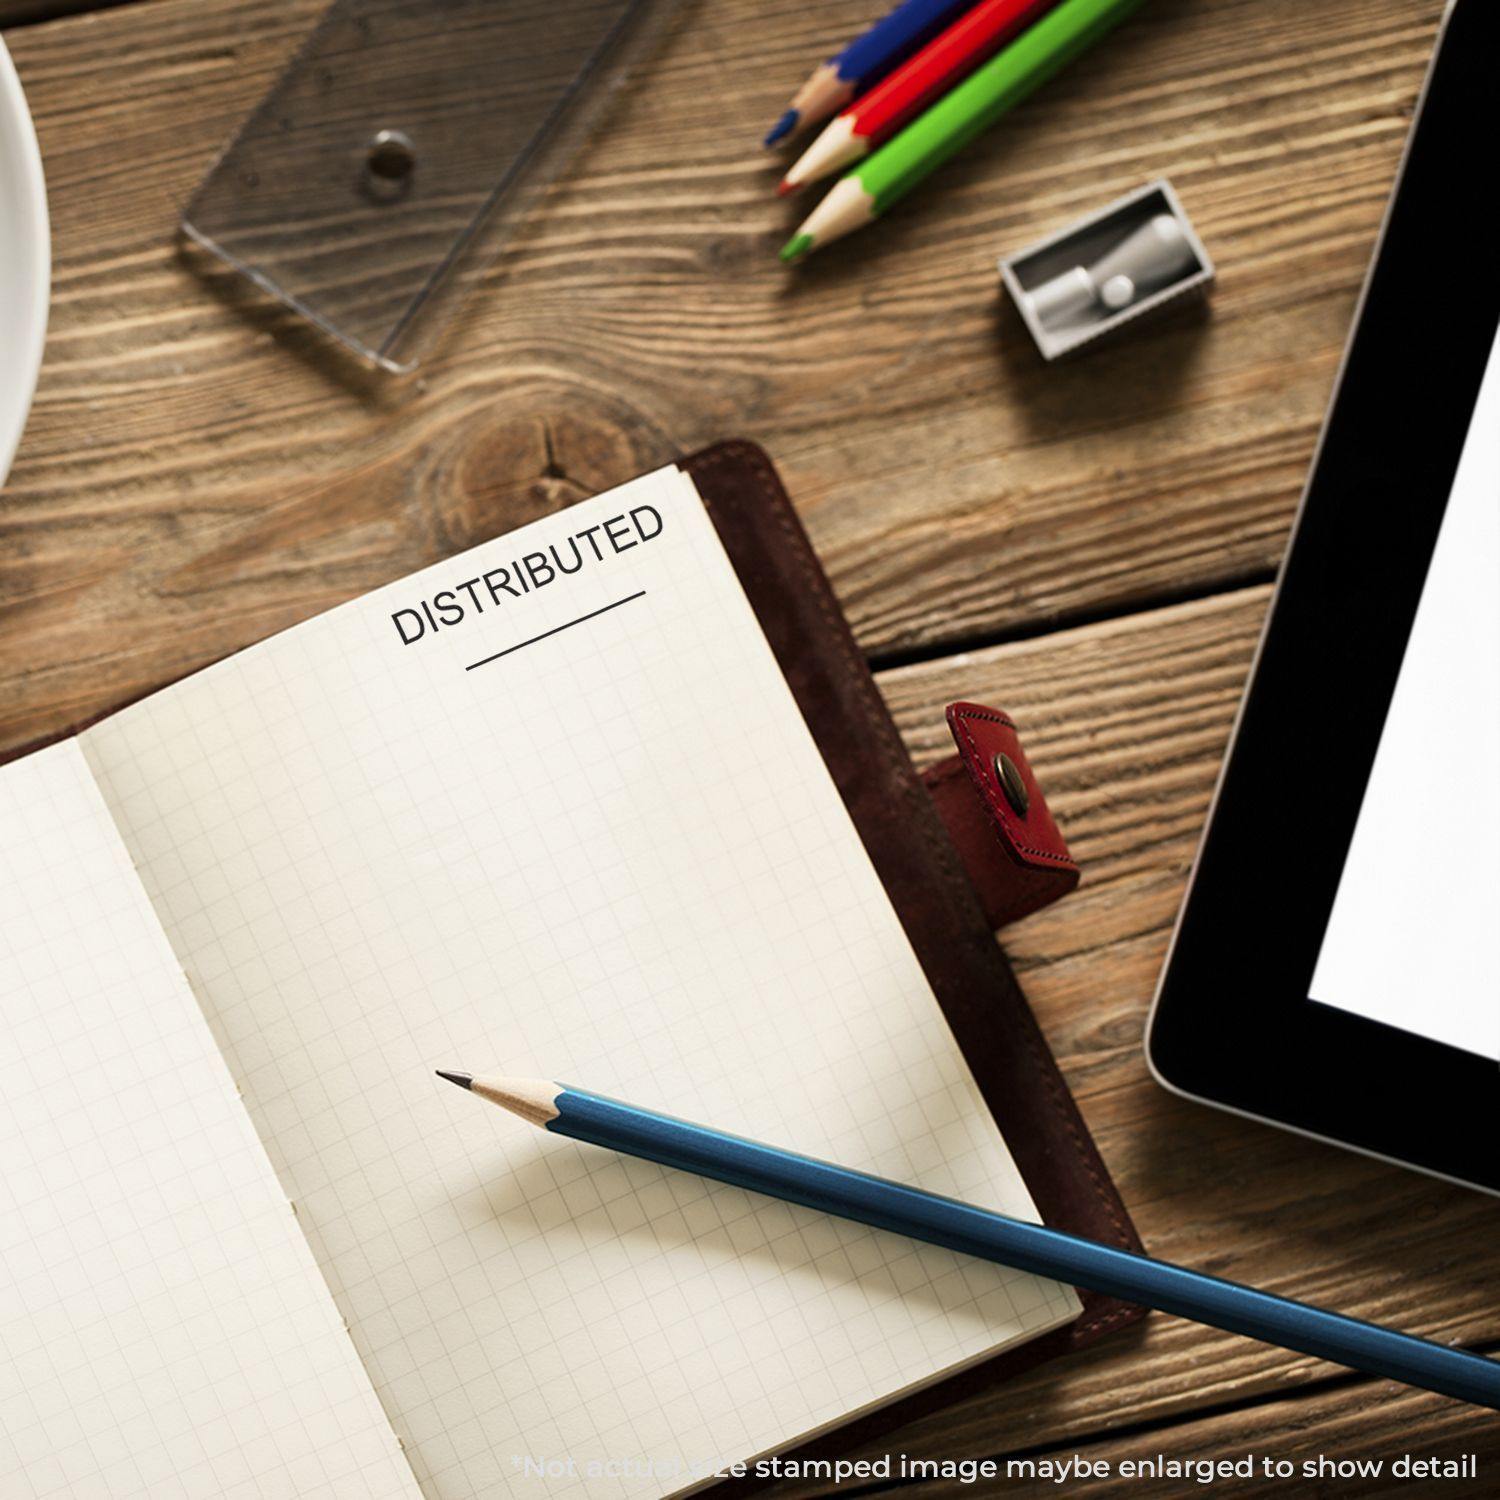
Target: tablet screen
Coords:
[[1415, 942]]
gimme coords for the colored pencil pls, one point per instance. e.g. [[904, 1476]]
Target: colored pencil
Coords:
[[856, 130], [870, 56], [986, 1235], [982, 98]]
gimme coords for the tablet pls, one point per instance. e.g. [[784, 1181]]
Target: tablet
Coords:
[[1336, 964]]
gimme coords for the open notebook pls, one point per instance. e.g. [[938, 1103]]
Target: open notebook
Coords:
[[546, 808]]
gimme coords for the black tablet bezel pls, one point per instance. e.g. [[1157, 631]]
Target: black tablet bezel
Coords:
[[1233, 1024]]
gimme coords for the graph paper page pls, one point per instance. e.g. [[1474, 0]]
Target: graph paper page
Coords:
[[164, 1331], [578, 831]]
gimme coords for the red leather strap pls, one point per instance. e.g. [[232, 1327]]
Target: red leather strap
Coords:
[[1017, 859]]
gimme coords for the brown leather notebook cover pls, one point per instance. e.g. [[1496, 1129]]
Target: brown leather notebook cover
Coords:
[[921, 871]]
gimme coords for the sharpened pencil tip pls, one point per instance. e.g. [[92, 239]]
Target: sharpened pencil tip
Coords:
[[786, 187], [781, 129], [796, 248], [463, 1080]]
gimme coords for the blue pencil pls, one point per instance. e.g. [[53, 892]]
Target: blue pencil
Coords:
[[869, 57], [990, 1236]]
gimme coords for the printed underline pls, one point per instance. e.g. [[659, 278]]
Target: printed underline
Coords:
[[593, 614]]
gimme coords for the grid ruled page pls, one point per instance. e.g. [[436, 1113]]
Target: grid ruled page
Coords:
[[164, 1331], [577, 830]]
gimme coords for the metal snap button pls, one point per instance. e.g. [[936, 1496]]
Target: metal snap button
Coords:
[[1012, 783]]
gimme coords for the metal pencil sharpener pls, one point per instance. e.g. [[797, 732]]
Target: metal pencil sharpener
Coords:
[[1092, 278]]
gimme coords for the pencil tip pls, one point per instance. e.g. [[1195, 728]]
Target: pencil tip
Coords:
[[463, 1080], [796, 248], [786, 187], [782, 128]]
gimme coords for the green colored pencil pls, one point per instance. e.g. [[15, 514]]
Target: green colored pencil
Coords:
[[893, 171]]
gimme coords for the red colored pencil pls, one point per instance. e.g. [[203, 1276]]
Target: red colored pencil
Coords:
[[904, 94]]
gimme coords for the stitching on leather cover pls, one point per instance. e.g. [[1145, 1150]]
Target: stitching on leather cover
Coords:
[[1125, 1312], [994, 804]]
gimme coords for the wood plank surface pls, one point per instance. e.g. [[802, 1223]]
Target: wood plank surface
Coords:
[[1125, 723], [193, 477], [1326, 1430], [198, 473]]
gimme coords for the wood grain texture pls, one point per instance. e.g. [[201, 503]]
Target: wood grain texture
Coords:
[[196, 475], [1351, 1421], [1125, 723], [193, 477]]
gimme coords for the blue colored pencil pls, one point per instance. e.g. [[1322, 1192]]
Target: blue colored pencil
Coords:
[[990, 1236], [868, 58]]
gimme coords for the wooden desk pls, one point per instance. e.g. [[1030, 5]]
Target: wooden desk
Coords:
[[1089, 546]]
